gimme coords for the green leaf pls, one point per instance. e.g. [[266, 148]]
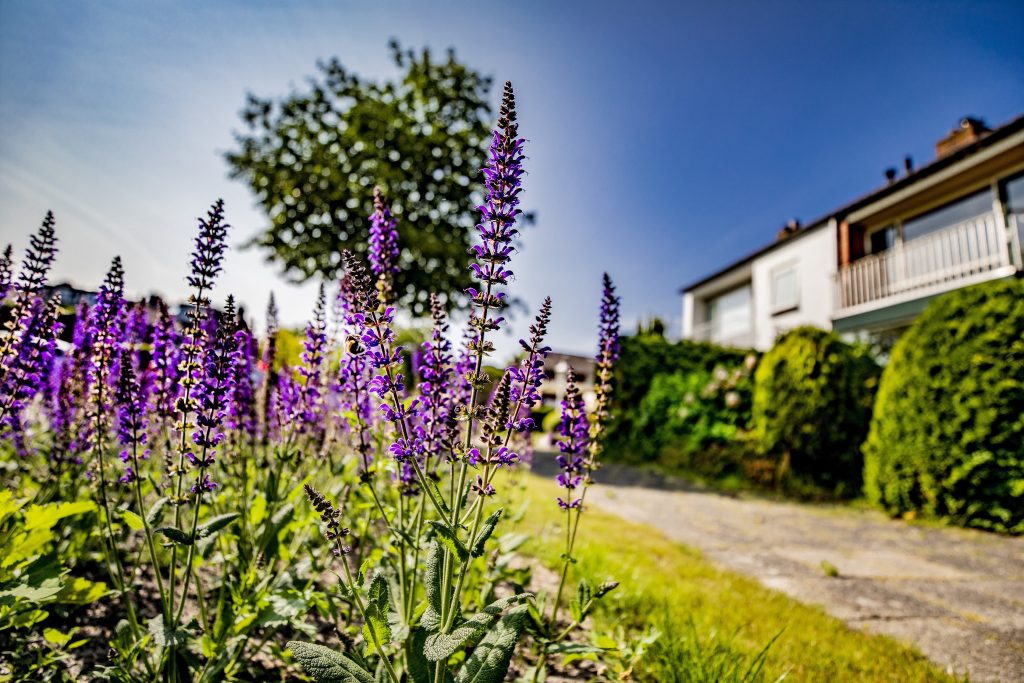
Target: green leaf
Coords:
[[419, 669], [490, 659], [450, 539], [441, 646], [326, 665], [81, 591], [165, 636], [55, 637], [581, 604], [431, 619], [133, 521], [216, 524], [157, 511], [45, 516], [376, 629], [485, 532], [175, 535]]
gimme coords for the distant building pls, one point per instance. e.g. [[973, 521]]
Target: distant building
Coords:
[[870, 267], [556, 368]]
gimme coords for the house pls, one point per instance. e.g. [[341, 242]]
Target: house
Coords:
[[556, 368], [870, 267]]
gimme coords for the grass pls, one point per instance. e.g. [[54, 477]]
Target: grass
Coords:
[[714, 623]]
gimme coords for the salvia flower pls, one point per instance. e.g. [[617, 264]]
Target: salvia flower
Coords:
[[106, 330], [6, 272], [311, 370], [208, 255], [132, 419], [29, 369], [574, 429], [529, 374], [383, 245], [35, 269], [165, 356], [502, 186], [212, 394], [435, 383], [607, 355], [330, 516]]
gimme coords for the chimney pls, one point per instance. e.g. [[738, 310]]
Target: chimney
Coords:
[[908, 164], [890, 176], [970, 130], [790, 228]]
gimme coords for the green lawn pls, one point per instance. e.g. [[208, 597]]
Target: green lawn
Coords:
[[666, 585]]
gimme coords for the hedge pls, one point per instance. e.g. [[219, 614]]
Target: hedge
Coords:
[[947, 436], [644, 357], [812, 406]]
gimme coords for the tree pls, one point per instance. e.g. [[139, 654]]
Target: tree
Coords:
[[313, 159]]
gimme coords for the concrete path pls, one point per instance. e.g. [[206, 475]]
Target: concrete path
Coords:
[[957, 595]]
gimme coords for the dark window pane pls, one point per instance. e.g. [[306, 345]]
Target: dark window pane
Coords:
[[1013, 194], [948, 216]]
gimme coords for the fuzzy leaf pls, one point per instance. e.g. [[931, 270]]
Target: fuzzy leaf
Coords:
[[431, 619], [376, 629], [175, 535], [419, 669], [216, 524], [165, 636], [581, 604], [441, 646], [450, 539], [326, 665], [490, 659], [485, 532], [157, 511]]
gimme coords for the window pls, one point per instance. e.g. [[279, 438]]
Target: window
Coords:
[[883, 239], [730, 314], [785, 290], [1013, 194], [959, 211]]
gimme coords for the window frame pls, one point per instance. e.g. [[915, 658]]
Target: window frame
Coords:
[[773, 276]]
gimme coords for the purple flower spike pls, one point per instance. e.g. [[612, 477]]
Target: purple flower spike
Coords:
[[6, 272], [502, 186], [607, 354], [383, 245], [314, 347], [130, 400], [574, 429]]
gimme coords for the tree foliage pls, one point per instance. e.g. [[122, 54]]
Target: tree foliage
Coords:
[[947, 436], [313, 158]]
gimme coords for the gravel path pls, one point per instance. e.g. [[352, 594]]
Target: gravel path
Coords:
[[957, 595]]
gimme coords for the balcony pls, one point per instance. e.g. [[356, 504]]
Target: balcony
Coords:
[[973, 251], [724, 335]]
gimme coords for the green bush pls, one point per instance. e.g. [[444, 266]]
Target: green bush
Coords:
[[689, 422], [644, 357], [812, 406], [947, 437]]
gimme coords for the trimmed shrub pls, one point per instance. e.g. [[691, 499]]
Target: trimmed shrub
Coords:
[[691, 422], [947, 437], [812, 407], [644, 357]]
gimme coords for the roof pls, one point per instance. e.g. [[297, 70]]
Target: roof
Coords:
[[929, 169]]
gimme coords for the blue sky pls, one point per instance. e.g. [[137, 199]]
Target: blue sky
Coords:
[[665, 139]]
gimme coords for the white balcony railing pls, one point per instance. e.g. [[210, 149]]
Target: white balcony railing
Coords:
[[714, 331], [970, 251]]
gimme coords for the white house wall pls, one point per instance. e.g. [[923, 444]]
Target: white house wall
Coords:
[[814, 256]]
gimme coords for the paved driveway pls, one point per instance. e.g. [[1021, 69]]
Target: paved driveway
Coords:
[[957, 595]]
